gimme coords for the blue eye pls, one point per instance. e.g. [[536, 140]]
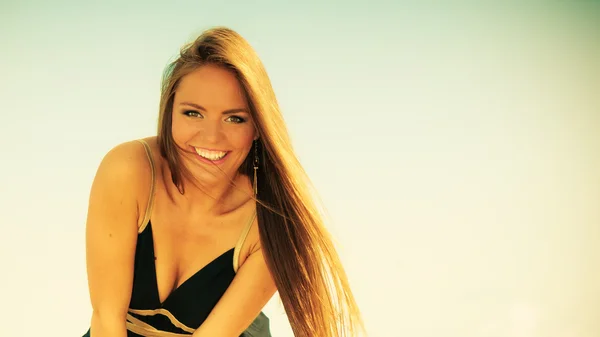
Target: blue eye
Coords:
[[192, 113]]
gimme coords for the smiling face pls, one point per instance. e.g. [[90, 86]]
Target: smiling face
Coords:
[[211, 124]]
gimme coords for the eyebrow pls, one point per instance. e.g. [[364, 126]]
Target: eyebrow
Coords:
[[226, 112]]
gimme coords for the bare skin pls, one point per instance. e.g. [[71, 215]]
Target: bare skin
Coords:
[[189, 230]]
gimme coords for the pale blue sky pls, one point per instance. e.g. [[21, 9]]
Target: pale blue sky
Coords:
[[456, 149]]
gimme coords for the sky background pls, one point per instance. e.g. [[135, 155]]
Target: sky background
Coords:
[[456, 149]]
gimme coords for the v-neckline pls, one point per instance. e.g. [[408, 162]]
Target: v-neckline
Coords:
[[172, 293]]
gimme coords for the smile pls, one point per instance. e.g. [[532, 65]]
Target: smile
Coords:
[[210, 155]]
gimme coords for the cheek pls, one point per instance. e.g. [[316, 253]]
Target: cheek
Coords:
[[179, 129], [242, 139]]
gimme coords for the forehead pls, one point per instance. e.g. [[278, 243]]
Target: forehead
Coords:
[[211, 85]]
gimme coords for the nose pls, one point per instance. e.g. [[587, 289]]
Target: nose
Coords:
[[210, 132]]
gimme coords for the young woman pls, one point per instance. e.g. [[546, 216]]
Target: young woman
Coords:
[[192, 232]]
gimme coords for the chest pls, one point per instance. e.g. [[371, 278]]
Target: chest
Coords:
[[184, 245]]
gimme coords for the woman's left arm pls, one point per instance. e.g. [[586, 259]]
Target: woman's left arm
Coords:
[[242, 302]]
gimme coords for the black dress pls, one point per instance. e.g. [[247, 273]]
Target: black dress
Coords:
[[186, 308]]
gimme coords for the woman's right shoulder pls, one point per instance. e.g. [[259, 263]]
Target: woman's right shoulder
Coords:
[[127, 163]]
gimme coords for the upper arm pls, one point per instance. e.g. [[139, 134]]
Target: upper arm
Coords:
[[249, 292], [111, 229]]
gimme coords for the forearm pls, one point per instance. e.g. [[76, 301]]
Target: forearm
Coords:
[[108, 326]]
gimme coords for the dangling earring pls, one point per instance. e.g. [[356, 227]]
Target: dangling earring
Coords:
[[255, 184]]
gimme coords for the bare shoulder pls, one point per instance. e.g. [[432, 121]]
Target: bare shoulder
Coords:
[[125, 168], [126, 160], [126, 163]]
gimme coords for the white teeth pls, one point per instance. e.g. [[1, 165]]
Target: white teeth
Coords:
[[210, 155]]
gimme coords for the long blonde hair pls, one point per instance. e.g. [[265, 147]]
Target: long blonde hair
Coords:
[[300, 254]]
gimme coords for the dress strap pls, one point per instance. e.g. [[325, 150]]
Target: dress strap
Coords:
[[240, 243], [148, 212]]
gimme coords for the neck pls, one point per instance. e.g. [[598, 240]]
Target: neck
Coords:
[[216, 199]]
